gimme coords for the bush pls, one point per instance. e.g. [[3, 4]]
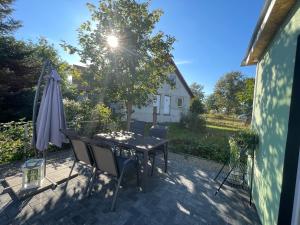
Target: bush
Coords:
[[202, 148], [77, 111], [102, 120], [89, 119], [247, 138], [197, 106], [14, 145], [244, 139], [193, 122], [15, 141]]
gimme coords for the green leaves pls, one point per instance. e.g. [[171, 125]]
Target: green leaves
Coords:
[[7, 23], [133, 71], [233, 93]]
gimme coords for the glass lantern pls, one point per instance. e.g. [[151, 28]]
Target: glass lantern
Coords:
[[33, 173]]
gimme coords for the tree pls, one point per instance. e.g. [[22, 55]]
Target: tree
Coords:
[[226, 90], [197, 90], [197, 106], [211, 103], [20, 66], [245, 96], [7, 23], [129, 62]]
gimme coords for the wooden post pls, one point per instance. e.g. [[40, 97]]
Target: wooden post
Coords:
[[154, 115]]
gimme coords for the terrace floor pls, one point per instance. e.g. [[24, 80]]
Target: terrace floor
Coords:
[[183, 196]]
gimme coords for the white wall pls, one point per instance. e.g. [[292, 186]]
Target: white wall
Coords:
[[146, 113]]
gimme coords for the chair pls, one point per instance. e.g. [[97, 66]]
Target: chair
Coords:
[[158, 132], [137, 127], [81, 151], [115, 166]]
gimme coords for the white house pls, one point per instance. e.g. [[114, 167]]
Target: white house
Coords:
[[171, 102]]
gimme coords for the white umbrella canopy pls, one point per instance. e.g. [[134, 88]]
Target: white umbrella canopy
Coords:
[[51, 116]]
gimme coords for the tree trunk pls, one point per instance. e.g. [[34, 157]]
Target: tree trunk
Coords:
[[129, 113]]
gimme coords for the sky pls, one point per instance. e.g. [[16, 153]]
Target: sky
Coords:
[[211, 36]]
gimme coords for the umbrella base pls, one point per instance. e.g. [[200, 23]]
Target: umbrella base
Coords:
[[55, 176]]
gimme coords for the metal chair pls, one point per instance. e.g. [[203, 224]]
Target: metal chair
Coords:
[[138, 127], [81, 152], [106, 161], [158, 132]]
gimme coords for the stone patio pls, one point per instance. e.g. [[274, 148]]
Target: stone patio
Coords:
[[183, 196]]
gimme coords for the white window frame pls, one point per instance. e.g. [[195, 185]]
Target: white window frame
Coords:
[[182, 100]]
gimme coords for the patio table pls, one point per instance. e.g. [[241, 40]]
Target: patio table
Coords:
[[137, 142]]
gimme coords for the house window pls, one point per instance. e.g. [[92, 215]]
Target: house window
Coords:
[[156, 102], [180, 102], [167, 104]]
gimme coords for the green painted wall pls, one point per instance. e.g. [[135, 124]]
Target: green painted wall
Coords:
[[274, 80]]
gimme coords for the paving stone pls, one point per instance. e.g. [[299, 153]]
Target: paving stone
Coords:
[[183, 196]]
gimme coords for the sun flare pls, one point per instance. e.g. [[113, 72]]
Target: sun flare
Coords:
[[112, 41]]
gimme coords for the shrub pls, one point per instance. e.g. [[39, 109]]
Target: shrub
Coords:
[[197, 106], [247, 138], [202, 148], [89, 119], [77, 111], [103, 119], [193, 122], [14, 144], [244, 139]]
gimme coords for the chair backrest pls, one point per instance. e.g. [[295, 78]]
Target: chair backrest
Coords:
[[158, 131], [104, 158], [79, 146], [137, 127]]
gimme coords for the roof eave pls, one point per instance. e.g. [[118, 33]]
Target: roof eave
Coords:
[[271, 18], [181, 78]]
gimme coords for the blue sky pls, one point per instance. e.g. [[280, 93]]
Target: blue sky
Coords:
[[212, 36]]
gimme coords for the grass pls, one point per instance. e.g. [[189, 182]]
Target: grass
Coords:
[[211, 142], [224, 121]]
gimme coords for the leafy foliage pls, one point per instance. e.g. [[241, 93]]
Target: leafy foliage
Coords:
[[204, 149], [132, 72], [88, 118], [226, 89], [7, 23], [197, 106], [193, 122], [245, 96], [247, 138], [211, 103], [197, 90], [233, 94], [20, 66], [104, 116], [77, 111], [14, 145]]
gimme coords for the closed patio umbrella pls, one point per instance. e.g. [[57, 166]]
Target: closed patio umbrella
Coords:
[[51, 116]]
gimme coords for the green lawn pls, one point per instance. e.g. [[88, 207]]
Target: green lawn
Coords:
[[211, 142]]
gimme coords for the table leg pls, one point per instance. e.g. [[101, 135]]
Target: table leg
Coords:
[[166, 157], [145, 172]]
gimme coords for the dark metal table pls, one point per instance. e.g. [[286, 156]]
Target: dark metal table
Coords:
[[139, 143]]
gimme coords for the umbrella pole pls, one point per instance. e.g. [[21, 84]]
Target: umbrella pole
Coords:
[[34, 117], [35, 104]]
